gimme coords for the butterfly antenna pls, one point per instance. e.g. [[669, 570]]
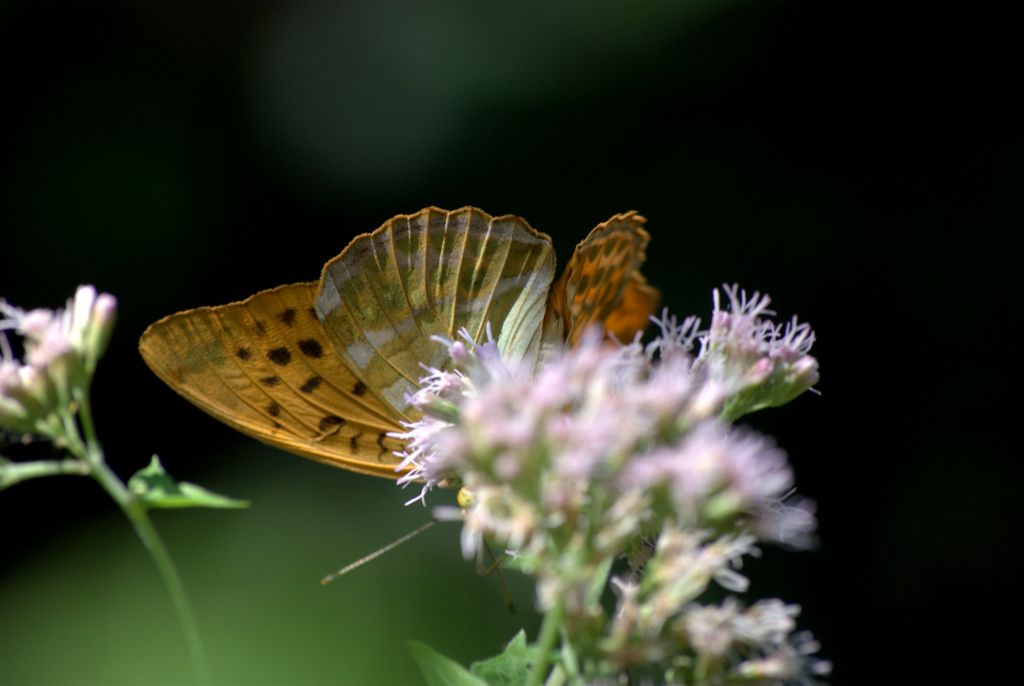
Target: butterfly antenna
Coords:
[[496, 568], [377, 553]]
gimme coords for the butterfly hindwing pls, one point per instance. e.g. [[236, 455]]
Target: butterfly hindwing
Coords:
[[602, 284], [431, 274], [634, 309], [265, 366]]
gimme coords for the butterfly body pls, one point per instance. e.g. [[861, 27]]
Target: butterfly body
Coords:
[[323, 369]]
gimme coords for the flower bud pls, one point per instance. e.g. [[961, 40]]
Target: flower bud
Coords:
[[81, 314], [104, 315], [459, 353], [26, 397], [13, 416]]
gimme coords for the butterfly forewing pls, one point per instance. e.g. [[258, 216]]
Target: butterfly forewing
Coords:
[[265, 367], [602, 284], [431, 274]]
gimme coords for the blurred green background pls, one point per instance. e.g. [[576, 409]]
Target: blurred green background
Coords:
[[857, 162]]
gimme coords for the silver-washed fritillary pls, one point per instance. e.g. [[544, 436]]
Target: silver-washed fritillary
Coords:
[[322, 369]]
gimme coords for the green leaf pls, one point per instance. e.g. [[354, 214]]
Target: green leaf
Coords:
[[156, 488], [439, 670], [511, 666]]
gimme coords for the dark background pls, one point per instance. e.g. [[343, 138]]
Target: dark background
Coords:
[[859, 162]]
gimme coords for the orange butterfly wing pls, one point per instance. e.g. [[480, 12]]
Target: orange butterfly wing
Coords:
[[265, 367], [321, 369], [602, 284]]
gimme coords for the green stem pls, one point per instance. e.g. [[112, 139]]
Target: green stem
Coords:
[[703, 669], [15, 472], [71, 440], [95, 450], [546, 644], [138, 515]]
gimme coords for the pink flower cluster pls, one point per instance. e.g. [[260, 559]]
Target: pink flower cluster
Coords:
[[61, 349], [648, 418], [607, 451]]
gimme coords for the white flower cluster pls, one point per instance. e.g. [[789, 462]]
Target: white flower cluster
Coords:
[[607, 452], [61, 348]]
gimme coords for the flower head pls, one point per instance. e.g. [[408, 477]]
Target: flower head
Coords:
[[758, 362], [61, 349], [607, 451]]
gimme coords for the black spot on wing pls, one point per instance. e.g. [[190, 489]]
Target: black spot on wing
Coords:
[[287, 317], [273, 409], [312, 313], [311, 347], [311, 384], [353, 443], [244, 353], [330, 421], [270, 380], [281, 356], [359, 388], [261, 328]]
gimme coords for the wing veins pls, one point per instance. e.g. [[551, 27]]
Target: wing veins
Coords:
[[221, 335], [213, 367], [348, 308], [490, 296], [458, 274], [534, 274], [309, 399], [401, 281]]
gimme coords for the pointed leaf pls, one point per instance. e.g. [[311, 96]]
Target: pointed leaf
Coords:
[[439, 670], [156, 488], [510, 667]]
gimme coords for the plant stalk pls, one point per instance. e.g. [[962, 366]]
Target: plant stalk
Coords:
[[136, 512], [546, 644], [16, 472]]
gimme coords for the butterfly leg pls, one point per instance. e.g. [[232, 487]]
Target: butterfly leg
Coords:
[[495, 566]]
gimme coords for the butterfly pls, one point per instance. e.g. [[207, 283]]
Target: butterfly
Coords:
[[323, 369]]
